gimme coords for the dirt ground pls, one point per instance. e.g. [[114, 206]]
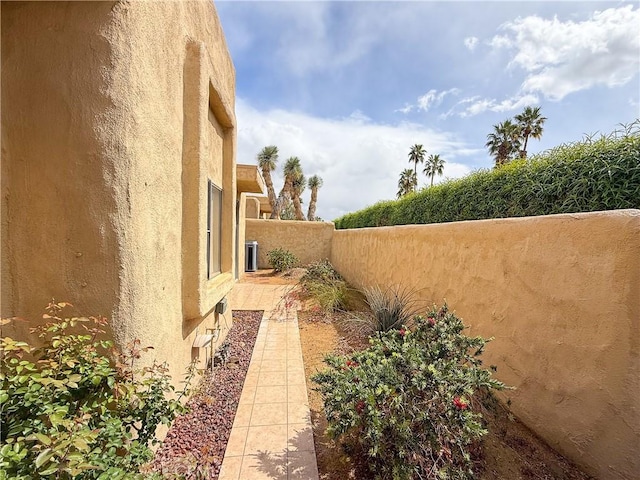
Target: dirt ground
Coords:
[[510, 451]]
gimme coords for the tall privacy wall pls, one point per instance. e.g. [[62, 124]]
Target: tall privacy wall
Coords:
[[561, 296], [309, 241]]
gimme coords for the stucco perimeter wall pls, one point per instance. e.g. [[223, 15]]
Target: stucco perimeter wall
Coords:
[[561, 296], [107, 145], [309, 241]]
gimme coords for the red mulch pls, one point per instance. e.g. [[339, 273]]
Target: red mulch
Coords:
[[195, 444]]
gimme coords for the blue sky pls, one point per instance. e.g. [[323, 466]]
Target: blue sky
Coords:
[[349, 86]]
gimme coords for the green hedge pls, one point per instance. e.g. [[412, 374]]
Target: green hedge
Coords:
[[587, 176]]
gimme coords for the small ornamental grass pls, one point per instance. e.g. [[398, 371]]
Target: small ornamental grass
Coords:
[[69, 411], [408, 400], [281, 260], [326, 286], [390, 308]]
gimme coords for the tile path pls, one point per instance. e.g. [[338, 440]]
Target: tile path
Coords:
[[271, 436]]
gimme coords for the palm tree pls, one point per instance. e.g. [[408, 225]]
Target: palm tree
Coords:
[[267, 159], [407, 183], [291, 170], [530, 123], [297, 187], [416, 155], [433, 166], [504, 142], [315, 183]]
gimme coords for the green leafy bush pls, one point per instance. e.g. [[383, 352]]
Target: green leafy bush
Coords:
[[408, 400], [592, 175], [68, 411], [281, 260]]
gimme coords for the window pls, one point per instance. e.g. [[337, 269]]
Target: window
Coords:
[[214, 226]]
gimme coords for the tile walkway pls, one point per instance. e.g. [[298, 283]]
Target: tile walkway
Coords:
[[271, 436]]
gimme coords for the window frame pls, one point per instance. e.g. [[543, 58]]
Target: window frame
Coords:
[[214, 230]]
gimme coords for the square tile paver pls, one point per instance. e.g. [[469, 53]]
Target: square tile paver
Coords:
[[271, 394], [269, 438], [243, 415], [269, 414], [236, 442], [272, 378], [300, 438], [230, 468], [302, 466]]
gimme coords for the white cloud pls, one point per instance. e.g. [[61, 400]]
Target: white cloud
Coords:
[[565, 57], [430, 99], [359, 160], [480, 105], [471, 43]]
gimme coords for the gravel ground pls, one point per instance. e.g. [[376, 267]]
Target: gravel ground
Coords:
[[195, 444]]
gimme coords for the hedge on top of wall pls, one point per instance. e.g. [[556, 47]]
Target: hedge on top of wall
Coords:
[[591, 175]]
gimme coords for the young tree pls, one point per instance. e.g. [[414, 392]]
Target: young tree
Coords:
[[530, 122], [267, 159], [315, 183], [407, 182], [416, 155], [433, 166]]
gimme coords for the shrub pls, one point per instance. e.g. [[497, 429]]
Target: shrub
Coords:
[[326, 286], [591, 175], [281, 260], [331, 295], [408, 400], [67, 411], [321, 271]]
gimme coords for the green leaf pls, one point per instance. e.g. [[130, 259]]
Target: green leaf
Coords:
[[49, 471], [43, 458], [81, 444], [42, 438]]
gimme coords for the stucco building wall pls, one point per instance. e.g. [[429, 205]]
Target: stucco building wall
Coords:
[[114, 116], [561, 296], [309, 241], [253, 207]]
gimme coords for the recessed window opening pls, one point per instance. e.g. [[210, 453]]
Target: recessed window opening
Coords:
[[214, 229]]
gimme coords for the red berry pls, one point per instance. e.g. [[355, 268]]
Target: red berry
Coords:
[[459, 403]]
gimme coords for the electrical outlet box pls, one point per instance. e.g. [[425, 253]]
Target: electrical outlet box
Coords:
[[221, 306]]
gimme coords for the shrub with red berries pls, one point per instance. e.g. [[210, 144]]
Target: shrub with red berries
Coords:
[[408, 398]]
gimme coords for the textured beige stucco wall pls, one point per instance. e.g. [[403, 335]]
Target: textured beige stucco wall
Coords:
[[105, 109], [253, 207], [242, 215], [561, 296], [309, 241]]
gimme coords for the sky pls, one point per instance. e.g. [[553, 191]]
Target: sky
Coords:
[[348, 87]]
